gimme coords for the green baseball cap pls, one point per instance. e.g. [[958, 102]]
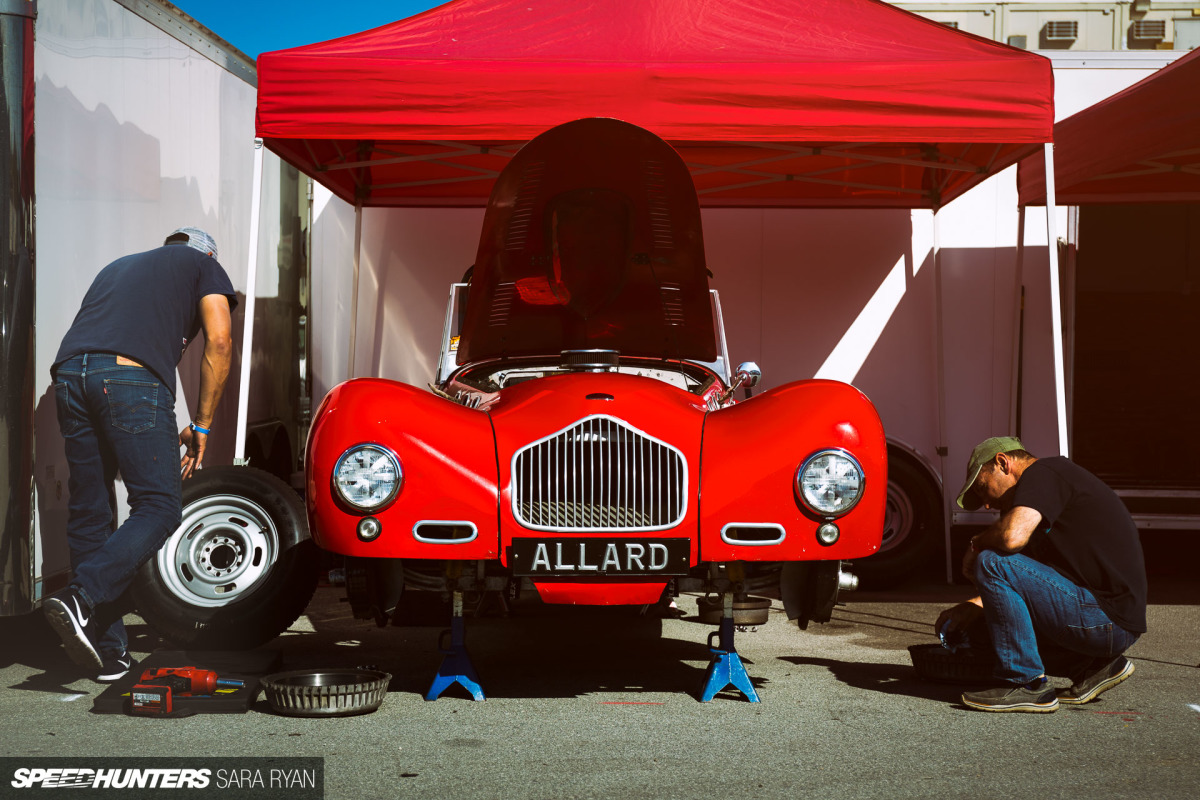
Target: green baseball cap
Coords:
[[983, 453]]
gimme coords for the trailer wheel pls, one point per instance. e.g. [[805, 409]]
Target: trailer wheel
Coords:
[[239, 569], [912, 524]]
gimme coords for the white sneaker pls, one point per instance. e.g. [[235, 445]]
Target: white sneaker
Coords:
[[73, 621]]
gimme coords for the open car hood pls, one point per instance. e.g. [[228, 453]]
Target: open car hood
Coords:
[[591, 239]]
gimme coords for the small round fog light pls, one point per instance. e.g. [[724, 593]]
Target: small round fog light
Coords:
[[369, 529], [827, 533]]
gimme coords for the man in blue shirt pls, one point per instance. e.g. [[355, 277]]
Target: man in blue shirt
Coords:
[[114, 386]]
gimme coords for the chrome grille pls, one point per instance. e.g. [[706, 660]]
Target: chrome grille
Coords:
[[599, 475]]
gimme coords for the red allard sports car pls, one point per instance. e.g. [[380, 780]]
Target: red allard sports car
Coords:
[[584, 434]]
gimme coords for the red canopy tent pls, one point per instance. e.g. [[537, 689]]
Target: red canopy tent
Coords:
[[771, 102], [1149, 151], [791, 103]]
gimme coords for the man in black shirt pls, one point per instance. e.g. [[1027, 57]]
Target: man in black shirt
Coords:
[[114, 387], [1061, 578]]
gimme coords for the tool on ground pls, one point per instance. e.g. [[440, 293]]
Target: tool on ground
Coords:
[[157, 692], [155, 697], [199, 681]]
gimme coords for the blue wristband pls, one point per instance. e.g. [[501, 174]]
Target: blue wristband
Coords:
[[198, 429]]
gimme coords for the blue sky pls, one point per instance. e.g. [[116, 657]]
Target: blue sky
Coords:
[[256, 26]]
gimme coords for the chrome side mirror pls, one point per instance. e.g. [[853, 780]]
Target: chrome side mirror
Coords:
[[748, 374]]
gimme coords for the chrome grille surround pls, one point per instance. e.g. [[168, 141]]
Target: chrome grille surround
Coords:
[[599, 474]]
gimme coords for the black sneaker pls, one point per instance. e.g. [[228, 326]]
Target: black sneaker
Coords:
[[115, 667], [1093, 685], [1038, 698], [72, 619]]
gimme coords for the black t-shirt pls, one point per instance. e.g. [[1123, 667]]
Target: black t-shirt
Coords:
[[146, 306], [1091, 539]]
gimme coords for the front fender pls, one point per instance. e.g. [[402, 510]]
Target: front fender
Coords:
[[447, 455], [751, 453]]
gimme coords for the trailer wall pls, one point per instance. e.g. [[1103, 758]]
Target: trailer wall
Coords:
[[145, 123]]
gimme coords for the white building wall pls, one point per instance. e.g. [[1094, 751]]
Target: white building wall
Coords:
[[1099, 24]]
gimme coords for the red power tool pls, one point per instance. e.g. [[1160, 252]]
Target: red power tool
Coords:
[[156, 692], [200, 681]]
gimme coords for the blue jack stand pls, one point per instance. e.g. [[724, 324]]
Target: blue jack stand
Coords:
[[726, 668], [456, 664]]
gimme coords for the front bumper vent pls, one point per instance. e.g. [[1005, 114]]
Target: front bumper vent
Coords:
[[599, 474]]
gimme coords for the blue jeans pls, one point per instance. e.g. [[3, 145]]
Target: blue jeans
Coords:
[[116, 419], [1040, 622]]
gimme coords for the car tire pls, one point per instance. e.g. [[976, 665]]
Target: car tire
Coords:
[[912, 528], [239, 569], [809, 590]]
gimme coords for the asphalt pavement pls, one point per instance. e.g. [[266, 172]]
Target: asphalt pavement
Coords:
[[603, 703]]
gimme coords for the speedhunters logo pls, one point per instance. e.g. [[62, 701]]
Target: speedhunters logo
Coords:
[[245, 778], [75, 778]]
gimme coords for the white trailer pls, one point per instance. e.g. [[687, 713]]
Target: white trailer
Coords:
[[144, 121]]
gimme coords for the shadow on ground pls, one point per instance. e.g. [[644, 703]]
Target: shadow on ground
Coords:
[[894, 679]]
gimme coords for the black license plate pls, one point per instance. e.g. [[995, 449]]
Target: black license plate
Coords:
[[571, 557]]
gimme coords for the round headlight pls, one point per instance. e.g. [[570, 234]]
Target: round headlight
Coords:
[[830, 482], [368, 476]]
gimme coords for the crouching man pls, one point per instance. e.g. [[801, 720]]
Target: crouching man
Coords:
[[1061, 578]]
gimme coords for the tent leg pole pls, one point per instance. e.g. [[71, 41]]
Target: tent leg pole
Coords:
[[1070, 309], [1060, 397], [1014, 408], [354, 289], [239, 441], [940, 361]]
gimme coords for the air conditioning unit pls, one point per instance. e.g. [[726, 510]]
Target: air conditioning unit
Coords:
[[949, 24], [1149, 30], [1062, 30]]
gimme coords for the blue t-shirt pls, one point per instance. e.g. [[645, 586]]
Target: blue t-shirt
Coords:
[[146, 306]]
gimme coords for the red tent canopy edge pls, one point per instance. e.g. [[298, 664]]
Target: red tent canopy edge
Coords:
[[1142, 145]]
